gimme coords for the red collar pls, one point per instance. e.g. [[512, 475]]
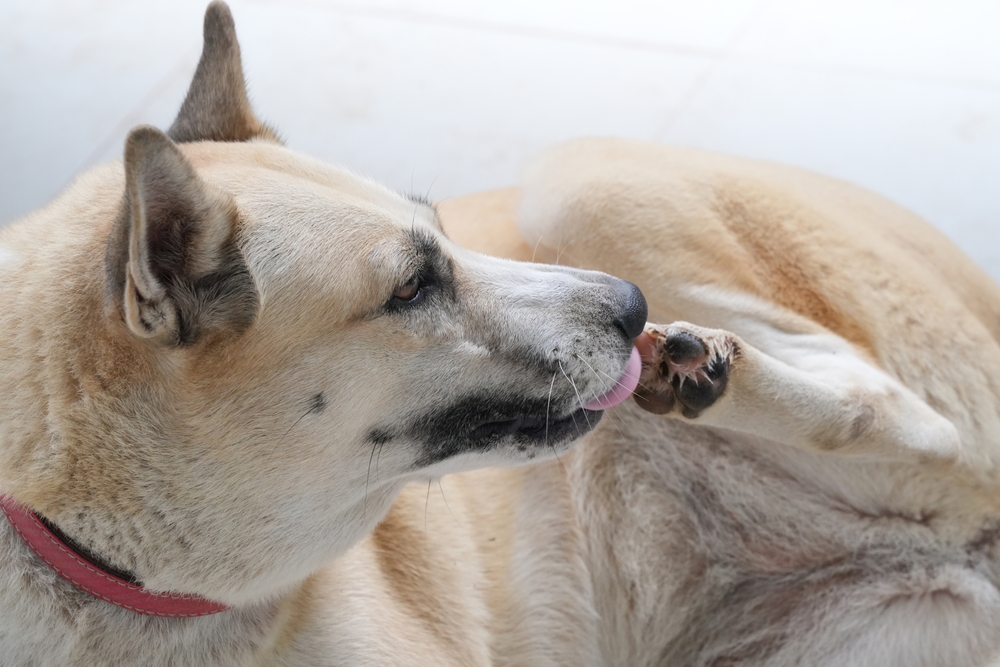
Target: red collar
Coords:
[[88, 577]]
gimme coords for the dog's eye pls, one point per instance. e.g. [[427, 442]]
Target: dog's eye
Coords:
[[408, 291]]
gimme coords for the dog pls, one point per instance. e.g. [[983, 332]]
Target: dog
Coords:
[[261, 411]]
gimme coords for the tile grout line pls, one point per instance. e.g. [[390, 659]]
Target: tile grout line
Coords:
[[708, 72], [429, 18], [870, 73]]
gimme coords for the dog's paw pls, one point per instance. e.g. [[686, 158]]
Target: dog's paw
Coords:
[[683, 365]]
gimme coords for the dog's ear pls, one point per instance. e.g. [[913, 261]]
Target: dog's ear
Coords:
[[216, 107], [174, 270]]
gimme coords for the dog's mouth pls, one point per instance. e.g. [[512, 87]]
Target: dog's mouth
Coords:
[[623, 386], [509, 424]]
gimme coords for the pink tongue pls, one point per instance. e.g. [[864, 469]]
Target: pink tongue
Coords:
[[623, 388]]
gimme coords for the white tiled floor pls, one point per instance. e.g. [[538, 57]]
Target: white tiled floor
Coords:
[[452, 96]]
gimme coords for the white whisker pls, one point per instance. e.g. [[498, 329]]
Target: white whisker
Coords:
[[441, 488], [427, 501], [378, 457], [368, 478], [599, 373], [609, 413], [576, 391], [536, 248], [427, 195], [548, 406]]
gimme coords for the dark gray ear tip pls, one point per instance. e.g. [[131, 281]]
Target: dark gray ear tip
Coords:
[[141, 138], [218, 15], [144, 133], [219, 24]]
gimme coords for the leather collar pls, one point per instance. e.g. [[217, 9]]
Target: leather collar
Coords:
[[91, 576]]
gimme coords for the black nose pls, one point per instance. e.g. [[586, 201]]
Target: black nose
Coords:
[[631, 309]]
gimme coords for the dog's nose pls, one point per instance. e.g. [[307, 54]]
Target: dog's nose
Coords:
[[632, 309]]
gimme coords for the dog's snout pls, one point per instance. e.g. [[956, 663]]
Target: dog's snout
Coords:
[[631, 309]]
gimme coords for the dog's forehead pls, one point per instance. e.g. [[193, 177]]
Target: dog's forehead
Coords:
[[308, 225], [306, 199]]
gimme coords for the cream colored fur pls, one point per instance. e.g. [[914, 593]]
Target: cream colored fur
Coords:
[[837, 505]]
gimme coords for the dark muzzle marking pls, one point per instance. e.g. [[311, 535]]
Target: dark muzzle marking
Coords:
[[485, 424]]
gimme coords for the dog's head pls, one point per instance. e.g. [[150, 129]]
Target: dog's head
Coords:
[[292, 344]]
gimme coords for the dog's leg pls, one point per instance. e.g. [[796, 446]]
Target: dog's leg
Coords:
[[820, 396]]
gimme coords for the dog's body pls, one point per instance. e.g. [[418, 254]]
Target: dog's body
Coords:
[[244, 379], [819, 512]]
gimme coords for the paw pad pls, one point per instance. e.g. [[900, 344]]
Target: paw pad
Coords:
[[687, 366]]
